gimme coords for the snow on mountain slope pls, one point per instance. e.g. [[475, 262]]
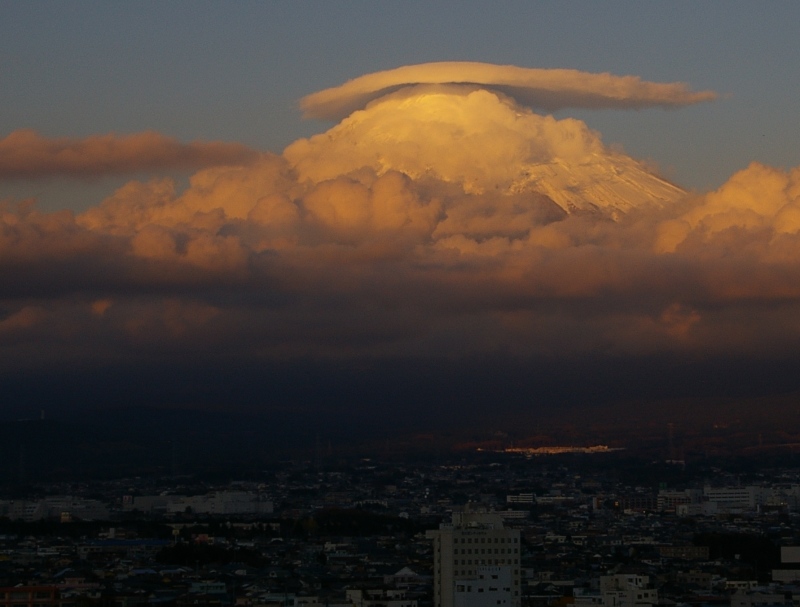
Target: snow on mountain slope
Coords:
[[612, 184]]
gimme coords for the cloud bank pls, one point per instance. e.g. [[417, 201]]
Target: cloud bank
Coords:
[[445, 223], [544, 89], [24, 154]]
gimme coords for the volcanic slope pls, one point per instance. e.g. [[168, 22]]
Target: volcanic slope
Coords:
[[485, 142]]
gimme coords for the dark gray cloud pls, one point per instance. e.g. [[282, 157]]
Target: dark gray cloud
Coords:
[[25, 154]]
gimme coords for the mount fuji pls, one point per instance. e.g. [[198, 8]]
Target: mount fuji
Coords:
[[486, 143]]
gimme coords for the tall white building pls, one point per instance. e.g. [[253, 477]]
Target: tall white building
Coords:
[[475, 561]]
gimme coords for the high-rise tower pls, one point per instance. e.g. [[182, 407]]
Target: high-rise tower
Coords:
[[476, 561]]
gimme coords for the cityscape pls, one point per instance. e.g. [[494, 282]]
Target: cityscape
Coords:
[[477, 527], [399, 304]]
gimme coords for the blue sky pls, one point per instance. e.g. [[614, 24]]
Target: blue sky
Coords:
[[234, 71]]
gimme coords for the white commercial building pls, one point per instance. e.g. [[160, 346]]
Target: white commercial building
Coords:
[[216, 503], [476, 557], [737, 498]]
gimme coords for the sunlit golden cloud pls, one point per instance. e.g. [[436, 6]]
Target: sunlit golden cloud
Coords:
[[25, 154]]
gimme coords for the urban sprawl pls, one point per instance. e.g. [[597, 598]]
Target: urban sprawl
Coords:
[[584, 529]]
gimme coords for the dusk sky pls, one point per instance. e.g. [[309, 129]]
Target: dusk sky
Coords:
[[354, 206]]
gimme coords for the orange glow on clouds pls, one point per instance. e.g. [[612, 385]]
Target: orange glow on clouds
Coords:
[[440, 220]]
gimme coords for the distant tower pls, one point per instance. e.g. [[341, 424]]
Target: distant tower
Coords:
[[174, 460], [22, 471], [671, 433]]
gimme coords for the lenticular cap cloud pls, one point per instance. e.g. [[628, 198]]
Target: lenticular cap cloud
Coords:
[[545, 89]]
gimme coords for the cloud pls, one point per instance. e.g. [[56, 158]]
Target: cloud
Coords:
[[756, 200], [386, 265], [24, 154], [442, 223], [545, 89]]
